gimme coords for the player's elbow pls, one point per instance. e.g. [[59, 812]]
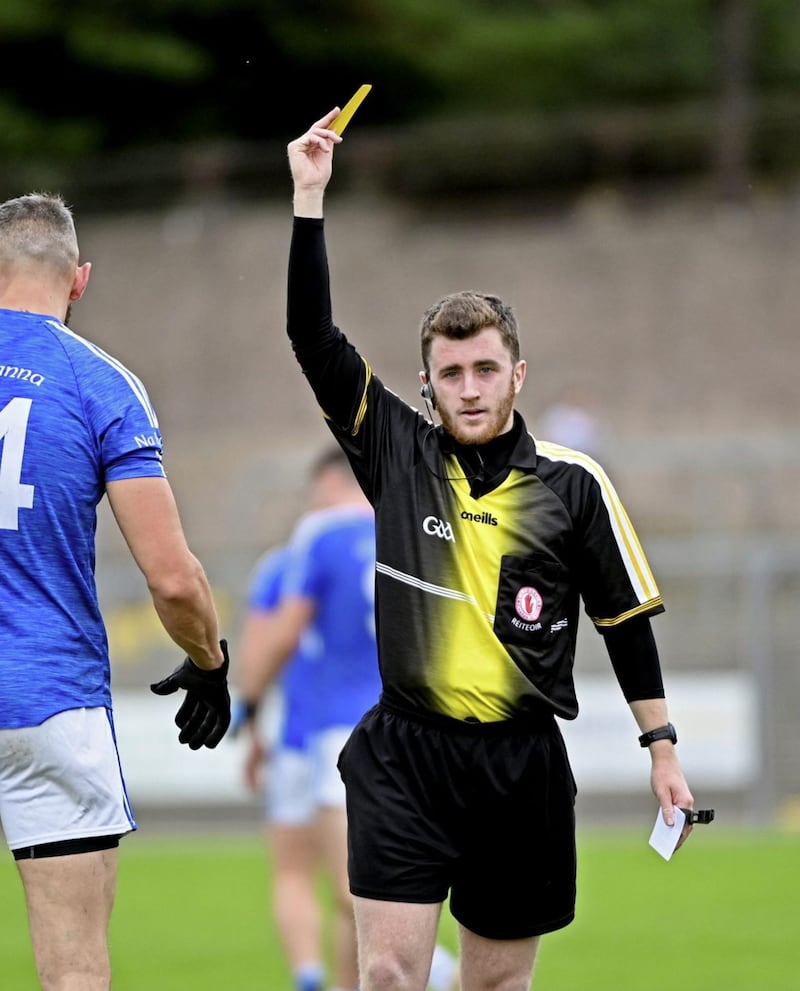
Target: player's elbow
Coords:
[[180, 584]]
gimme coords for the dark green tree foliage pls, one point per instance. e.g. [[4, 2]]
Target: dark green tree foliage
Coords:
[[99, 75]]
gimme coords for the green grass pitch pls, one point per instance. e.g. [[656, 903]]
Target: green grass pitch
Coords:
[[192, 915]]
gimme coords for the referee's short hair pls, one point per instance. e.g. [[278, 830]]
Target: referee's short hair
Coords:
[[465, 314]]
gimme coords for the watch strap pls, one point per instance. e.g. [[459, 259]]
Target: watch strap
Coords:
[[660, 733]]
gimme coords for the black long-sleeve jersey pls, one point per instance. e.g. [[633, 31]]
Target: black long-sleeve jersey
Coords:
[[481, 561]]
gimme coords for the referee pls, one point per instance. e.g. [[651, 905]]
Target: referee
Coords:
[[487, 541]]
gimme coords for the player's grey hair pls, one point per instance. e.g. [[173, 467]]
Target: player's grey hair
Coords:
[[465, 314], [38, 227]]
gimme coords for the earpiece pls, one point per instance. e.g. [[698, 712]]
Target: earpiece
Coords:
[[427, 394]]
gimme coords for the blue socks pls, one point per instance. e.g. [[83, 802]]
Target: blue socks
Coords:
[[309, 977]]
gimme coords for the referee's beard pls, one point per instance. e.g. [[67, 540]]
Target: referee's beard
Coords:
[[496, 422]]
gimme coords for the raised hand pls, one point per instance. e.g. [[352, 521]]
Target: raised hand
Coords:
[[311, 164]]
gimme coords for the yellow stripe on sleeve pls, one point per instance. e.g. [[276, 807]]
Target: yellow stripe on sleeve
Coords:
[[636, 611], [362, 406]]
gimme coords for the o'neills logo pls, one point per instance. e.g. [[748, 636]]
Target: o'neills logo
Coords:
[[479, 518]]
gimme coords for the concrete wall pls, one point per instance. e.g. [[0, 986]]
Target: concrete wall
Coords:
[[677, 322]]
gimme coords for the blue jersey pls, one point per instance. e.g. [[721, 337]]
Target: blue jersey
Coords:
[[298, 712], [72, 418], [332, 561]]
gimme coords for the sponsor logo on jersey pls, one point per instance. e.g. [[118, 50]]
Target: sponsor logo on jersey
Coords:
[[22, 374], [438, 528], [148, 440], [562, 624], [486, 518]]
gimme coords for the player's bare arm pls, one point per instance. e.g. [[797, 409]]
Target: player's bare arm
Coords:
[[268, 641], [147, 515], [311, 165]]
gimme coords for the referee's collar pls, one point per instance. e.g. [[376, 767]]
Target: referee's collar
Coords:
[[523, 454], [516, 447]]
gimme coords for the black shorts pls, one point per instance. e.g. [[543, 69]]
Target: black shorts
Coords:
[[485, 811]]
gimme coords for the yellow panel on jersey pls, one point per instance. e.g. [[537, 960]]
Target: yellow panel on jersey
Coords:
[[474, 675]]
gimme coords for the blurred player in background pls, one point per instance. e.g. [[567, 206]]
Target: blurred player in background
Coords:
[[76, 425], [310, 622], [570, 420], [458, 781]]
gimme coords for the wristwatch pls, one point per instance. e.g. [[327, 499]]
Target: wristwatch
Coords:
[[661, 733]]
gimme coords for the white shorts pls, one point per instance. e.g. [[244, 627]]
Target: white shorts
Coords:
[[62, 780], [300, 782]]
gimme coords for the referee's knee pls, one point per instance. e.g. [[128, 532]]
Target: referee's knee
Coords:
[[385, 971]]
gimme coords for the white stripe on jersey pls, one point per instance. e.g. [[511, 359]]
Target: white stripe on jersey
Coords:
[[447, 593], [137, 386], [636, 566]]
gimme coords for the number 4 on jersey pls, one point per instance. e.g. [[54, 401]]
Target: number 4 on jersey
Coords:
[[14, 495]]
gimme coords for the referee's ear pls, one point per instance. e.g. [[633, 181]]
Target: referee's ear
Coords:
[[518, 375], [426, 391]]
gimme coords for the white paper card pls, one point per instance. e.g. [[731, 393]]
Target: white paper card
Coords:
[[665, 838]]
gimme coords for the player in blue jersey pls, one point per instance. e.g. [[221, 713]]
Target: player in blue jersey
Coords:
[[76, 425], [310, 628]]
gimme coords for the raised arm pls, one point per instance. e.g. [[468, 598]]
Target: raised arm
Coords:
[[334, 369]]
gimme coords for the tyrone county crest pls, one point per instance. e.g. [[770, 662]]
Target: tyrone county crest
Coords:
[[528, 604]]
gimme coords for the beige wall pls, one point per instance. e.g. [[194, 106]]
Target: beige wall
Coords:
[[675, 320]]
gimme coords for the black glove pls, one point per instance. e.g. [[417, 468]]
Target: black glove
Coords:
[[205, 714]]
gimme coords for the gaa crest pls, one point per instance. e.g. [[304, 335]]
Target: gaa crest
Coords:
[[528, 604]]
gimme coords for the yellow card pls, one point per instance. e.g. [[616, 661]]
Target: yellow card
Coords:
[[340, 123]]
